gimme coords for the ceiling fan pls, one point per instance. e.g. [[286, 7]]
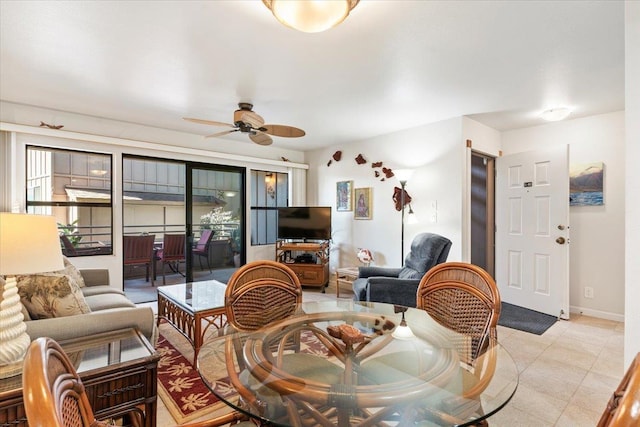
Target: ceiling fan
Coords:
[[245, 120]]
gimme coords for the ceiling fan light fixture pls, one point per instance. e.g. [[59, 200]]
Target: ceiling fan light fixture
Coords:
[[246, 121], [310, 16], [556, 114]]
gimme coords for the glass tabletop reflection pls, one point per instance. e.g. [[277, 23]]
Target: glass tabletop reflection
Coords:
[[350, 363]]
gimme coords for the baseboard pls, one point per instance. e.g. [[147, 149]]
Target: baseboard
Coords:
[[597, 313]]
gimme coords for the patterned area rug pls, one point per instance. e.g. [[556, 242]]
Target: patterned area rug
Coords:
[[180, 386]]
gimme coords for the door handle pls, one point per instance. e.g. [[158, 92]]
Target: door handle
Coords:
[[560, 240]]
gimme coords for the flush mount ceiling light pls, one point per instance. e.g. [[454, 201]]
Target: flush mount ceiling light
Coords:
[[310, 16], [555, 114]]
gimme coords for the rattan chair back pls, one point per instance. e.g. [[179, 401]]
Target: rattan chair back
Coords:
[[53, 392], [623, 407], [464, 298], [261, 292]]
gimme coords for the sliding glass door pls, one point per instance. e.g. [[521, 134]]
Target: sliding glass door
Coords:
[[192, 216], [215, 209]]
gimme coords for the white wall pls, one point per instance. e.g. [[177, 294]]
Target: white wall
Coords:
[[484, 139], [632, 150], [131, 134], [436, 152], [20, 126], [597, 232]]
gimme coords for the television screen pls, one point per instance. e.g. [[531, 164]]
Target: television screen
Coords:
[[304, 222]]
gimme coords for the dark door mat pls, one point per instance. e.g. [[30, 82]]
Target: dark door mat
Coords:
[[523, 319]]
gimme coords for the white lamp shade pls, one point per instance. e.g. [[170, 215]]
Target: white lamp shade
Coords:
[[310, 16], [403, 332], [412, 218], [29, 244], [403, 175]]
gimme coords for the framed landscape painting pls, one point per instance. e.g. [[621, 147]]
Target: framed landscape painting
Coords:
[[344, 190], [362, 197], [586, 184]]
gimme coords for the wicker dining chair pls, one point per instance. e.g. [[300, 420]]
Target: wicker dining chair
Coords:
[[54, 395], [465, 299], [623, 408], [257, 293], [260, 293]]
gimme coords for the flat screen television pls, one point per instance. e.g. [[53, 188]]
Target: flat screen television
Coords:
[[304, 222]]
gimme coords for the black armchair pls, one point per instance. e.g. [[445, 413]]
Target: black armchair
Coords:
[[399, 285]]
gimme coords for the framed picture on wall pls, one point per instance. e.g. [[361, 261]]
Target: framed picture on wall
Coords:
[[586, 184], [362, 197], [344, 199]]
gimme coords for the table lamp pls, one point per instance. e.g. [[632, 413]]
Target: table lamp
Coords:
[[28, 244]]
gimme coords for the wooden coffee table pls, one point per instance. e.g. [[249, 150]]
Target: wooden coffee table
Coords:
[[189, 306]]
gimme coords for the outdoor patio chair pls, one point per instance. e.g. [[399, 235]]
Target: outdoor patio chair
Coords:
[[172, 253], [70, 250], [138, 250], [201, 248]]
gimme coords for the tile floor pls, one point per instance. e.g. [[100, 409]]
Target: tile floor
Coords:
[[566, 375]]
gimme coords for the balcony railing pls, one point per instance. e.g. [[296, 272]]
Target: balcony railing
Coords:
[[98, 238]]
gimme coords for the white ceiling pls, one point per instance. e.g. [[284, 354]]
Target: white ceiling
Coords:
[[391, 65]]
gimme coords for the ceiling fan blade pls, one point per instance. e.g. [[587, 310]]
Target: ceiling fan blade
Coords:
[[207, 122], [261, 138], [224, 132], [251, 118], [283, 130]]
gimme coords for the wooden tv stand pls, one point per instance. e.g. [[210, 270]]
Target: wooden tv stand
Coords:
[[310, 261]]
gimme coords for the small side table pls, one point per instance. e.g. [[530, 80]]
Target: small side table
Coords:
[[119, 371], [345, 276]]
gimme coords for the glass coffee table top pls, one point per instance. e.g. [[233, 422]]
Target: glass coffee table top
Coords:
[[195, 296], [98, 352]]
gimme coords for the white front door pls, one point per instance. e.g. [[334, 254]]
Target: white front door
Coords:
[[532, 230]]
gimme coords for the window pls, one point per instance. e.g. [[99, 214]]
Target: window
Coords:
[[269, 191], [75, 187]]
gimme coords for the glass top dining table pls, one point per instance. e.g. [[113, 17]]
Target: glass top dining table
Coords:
[[349, 363]]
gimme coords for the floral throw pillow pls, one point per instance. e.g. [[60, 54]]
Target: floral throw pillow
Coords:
[[70, 270], [47, 296]]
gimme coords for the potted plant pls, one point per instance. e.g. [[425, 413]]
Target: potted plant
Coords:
[[72, 233]]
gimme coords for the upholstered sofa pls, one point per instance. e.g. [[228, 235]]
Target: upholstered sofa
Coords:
[[104, 307]]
